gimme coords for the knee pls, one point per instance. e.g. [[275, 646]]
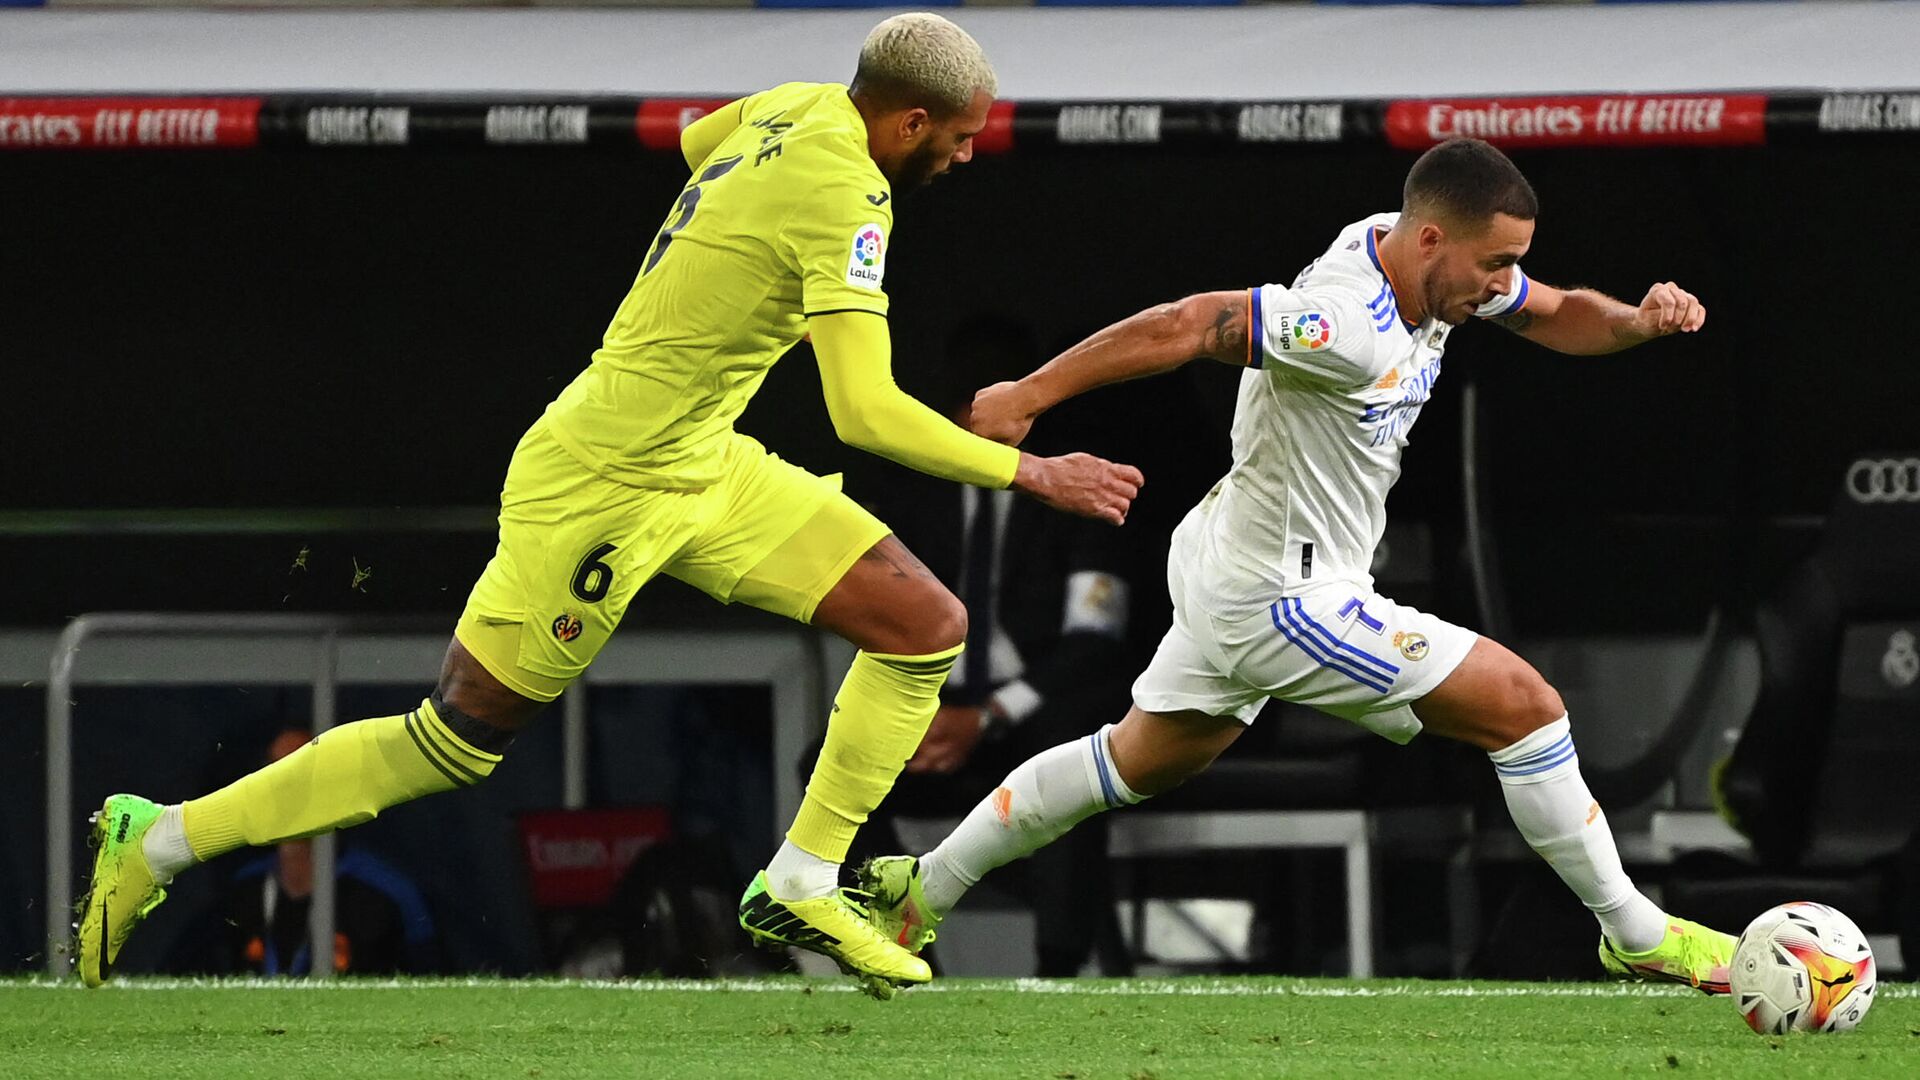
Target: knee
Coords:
[[939, 622], [475, 704], [1531, 704]]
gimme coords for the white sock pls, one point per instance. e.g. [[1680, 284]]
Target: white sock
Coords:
[[1039, 801], [797, 875], [1540, 776], [165, 845]]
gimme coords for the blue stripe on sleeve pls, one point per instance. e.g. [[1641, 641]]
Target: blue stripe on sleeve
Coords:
[[1514, 300]]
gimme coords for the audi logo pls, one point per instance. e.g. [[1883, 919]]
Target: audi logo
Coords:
[[1888, 480]]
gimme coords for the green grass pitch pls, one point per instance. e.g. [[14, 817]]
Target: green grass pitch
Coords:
[[150, 1029]]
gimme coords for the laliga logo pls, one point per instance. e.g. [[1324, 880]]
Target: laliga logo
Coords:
[[866, 246], [1901, 666], [1312, 330], [1888, 480]]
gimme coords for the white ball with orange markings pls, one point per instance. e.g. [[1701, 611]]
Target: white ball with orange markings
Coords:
[[1803, 967]]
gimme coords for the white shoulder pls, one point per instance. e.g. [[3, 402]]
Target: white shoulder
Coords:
[[1348, 260], [1330, 322], [1321, 327]]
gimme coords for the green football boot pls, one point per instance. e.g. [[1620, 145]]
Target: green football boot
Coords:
[[835, 926], [123, 890], [1693, 954], [899, 908]]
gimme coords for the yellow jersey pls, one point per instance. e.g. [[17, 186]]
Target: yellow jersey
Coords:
[[786, 218]]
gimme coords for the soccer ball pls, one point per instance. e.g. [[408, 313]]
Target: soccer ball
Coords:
[[1802, 967]]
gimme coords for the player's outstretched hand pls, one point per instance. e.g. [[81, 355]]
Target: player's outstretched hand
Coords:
[[1080, 484], [1669, 309], [1001, 413]]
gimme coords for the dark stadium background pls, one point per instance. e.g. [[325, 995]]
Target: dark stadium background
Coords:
[[376, 329]]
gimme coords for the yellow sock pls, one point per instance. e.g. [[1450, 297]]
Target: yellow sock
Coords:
[[879, 716], [344, 777]]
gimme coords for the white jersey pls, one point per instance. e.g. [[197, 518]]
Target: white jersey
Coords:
[[1336, 382]]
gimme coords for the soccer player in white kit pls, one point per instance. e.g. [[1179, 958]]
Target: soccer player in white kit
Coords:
[[1269, 573]]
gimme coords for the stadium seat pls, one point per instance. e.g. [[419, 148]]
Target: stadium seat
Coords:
[[1301, 780]]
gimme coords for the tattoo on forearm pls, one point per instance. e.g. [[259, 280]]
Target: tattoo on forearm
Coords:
[[1516, 322], [1226, 339]]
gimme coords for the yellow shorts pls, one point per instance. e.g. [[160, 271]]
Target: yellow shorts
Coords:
[[575, 547]]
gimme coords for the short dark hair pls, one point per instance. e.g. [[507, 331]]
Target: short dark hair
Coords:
[[1467, 181]]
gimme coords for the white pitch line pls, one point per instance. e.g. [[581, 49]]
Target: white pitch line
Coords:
[[1072, 987]]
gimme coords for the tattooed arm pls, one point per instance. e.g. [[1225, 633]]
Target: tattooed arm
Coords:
[[1586, 322], [1213, 326]]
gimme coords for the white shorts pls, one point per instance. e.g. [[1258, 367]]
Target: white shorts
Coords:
[[1339, 647]]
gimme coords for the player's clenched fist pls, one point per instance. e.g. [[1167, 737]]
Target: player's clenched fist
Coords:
[[1080, 484], [1002, 413], [1669, 309]]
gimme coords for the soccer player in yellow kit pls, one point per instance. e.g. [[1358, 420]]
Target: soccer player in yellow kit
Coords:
[[636, 470]]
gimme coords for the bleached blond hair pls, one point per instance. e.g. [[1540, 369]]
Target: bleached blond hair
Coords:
[[921, 59]]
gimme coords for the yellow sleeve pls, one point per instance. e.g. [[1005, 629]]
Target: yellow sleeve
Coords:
[[699, 138], [871, 412], [837, 241]]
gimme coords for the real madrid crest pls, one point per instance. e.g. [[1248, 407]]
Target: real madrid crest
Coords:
[[1411, 645]]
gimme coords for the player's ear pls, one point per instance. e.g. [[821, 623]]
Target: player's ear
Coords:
[[1430, 236], [914, 124]]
